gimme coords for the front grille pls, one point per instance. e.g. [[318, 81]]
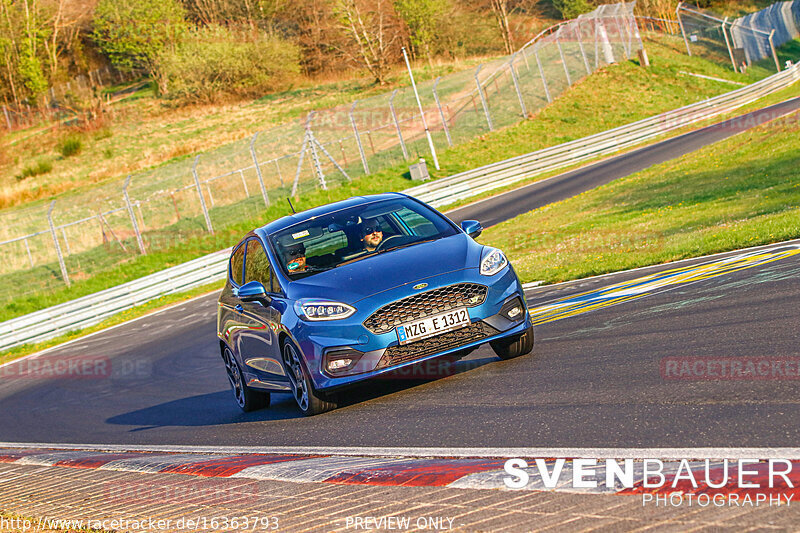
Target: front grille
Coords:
[[395, 355], [425, 304]]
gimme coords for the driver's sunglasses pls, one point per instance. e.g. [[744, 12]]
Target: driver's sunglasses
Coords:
[[376, 229], [296, 253]]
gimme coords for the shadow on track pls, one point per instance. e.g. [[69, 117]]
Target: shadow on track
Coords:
[[218, 408]]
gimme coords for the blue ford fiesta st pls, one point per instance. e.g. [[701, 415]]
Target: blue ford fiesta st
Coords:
[[321, 300]]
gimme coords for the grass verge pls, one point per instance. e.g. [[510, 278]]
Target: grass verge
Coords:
[[737, 193], [135, 312], [616, 95]]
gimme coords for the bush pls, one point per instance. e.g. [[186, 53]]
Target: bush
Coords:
[[216, 63], [133, 32], [570, 9], [42, 167], [70, 145]]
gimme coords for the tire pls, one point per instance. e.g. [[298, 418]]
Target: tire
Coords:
[[308, 399], [512, 347], [246, 398]]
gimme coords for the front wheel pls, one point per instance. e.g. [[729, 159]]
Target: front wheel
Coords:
[[308, 400], [512, 347], [247, 398]]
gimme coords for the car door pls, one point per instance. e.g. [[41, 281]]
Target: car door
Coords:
[[258, 342]]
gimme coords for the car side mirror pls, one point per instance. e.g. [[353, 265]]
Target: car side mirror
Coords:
[[253, 291], [472, 228]]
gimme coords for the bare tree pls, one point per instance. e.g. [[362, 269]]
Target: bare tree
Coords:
[[374, 31]]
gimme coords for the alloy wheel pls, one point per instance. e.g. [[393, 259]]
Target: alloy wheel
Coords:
[[297, 377], [235, 377]]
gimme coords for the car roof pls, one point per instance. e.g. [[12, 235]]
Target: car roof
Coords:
[[308, 214]]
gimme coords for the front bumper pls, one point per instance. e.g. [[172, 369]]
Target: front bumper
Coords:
[[378, 354]]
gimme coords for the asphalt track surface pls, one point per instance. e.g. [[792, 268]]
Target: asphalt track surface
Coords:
[[521, 200], [595, 379]]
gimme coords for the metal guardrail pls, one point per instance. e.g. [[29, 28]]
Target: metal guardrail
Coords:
[[472, 182], [94, 308]]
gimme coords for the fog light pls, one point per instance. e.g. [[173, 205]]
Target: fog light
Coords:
[[513, 309], [338, 364]]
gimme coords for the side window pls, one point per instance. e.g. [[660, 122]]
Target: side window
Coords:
[[417, 223], [257, 267], [236, 264]]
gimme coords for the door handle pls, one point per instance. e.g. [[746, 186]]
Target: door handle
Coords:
[[239, 308]]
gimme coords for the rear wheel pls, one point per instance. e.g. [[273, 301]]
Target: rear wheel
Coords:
[[512, 347], [247, 398], [308, 400]]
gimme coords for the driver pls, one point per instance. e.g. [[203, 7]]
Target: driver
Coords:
[[371, 234], [296, 258]]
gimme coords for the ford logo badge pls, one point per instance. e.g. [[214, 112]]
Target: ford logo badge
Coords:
[[420, 286]]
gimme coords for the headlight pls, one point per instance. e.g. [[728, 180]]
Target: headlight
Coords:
[[493, 262], [322, 309]]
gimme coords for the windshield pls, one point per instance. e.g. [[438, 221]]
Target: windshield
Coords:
[[356, 234]]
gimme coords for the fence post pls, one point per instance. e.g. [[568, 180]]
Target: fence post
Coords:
[[563, 59], [516, 86], [728, 44], [8, 120], [622, 37], [210, 196], [397, 125], [683, 30], [66, 242], [314, 154], [483, 98], [134, 222], [579, 35], [541, 71], [441, 112], [358, 139], [595, 27], [278, 168], [258, 170], [774, 53], [141, 216], [28, 249], [300, 157], [61, 264], [200, 194], [244, 184]]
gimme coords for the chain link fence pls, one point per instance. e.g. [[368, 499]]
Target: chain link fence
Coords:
[[84, 234], [743, 41]]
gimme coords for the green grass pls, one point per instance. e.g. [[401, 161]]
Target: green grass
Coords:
[[614, 96], [43, 166], [70, 145], [129, 314], [744, 191]]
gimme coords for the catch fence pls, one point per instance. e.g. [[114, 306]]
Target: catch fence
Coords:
[[742, 41], [83, 234]]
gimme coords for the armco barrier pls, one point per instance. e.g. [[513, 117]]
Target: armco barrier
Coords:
[[91, 309], [94, 308]]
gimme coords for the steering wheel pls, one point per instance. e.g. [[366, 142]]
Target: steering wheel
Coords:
[[384, 241]]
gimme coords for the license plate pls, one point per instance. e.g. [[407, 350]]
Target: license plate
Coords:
[[433, 325]]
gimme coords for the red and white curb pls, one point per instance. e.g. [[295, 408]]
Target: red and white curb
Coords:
[[456, 471]]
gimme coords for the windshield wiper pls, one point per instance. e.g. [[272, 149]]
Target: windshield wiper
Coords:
[[406, 245]]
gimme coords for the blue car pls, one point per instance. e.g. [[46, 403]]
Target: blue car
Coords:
[[322, 300]]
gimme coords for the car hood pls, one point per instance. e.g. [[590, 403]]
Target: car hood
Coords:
[[382, 272]]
